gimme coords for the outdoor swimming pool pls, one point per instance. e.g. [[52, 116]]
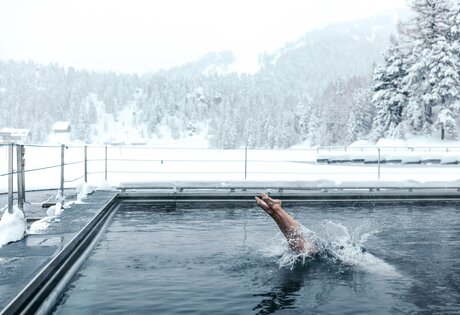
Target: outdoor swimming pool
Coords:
[[211, 258]]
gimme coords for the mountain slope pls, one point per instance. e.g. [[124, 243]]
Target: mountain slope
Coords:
[[270, 108]]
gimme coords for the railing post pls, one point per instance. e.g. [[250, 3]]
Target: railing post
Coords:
[[245, 162], [105, 172], [10, 178], [23, 151], [62, 169], [378, 162], [20, 175], [86, 163]]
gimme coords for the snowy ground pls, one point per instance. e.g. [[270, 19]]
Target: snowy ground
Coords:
[[191, 161]]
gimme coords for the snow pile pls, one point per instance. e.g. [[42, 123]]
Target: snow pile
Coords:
[[83, 190], [362, 144], [411, 151], [105, 185], [51, 213], [392, 143], [39, 225], [54, 210], [12, 226]]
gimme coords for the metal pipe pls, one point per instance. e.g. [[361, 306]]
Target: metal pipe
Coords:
[[20, 175], [23, 151], [378, 170], [105, 172], [86, 163], [10, 178], [62, 169], [245, 162]]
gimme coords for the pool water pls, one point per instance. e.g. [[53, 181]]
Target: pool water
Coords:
[[233, 260]]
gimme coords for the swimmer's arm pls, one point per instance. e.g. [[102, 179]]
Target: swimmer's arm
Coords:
[[289, 227]]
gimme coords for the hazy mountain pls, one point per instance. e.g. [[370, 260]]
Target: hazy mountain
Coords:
[[270, 108]]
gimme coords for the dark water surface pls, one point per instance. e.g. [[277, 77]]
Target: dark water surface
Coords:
[[217, 259]]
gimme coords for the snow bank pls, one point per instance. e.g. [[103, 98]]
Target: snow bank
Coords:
[[415, 150], [382, 143], [51, 214], [83, 190], [12, 226], [362, 144], [54, 210], [306, 144], [105, 185]]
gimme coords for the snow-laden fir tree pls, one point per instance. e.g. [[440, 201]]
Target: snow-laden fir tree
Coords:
[[361, 115], [388, 98], [449, 69], [430, 79], [446, 77], [316, 126]]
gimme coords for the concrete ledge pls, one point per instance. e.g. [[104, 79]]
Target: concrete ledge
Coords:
[[247, 196], [179, 186]]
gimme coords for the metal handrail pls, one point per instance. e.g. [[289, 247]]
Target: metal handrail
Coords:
[[127, 148]]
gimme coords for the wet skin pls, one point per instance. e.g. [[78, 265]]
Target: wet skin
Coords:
[[290, 228]]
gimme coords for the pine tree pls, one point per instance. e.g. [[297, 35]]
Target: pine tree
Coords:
[[429, 73], [388, 97], [360, 119], [92, 112], [316, 127]]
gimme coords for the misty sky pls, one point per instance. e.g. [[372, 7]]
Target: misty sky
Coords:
[[147, 35]]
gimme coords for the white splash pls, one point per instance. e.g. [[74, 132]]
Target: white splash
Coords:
[[279, 247], [346, 246], [337, 244]]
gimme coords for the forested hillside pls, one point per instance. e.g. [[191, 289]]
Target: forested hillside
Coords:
[[313, 89]]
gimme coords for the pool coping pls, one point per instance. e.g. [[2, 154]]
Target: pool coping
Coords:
[[31, 297], [298, 191]]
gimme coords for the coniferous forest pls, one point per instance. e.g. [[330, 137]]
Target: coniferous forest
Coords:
[[363, 80]]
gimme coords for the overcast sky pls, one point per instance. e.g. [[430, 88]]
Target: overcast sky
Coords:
[[147, 35]]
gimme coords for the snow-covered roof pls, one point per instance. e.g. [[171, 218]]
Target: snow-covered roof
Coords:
[[61, 125], [15, 132]]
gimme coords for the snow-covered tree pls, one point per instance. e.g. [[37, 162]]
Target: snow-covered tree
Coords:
[[92, 112], [316, 127], [388, 98], [361, 115], [431, 73]]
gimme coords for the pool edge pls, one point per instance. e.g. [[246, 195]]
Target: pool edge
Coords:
[[36, 292]]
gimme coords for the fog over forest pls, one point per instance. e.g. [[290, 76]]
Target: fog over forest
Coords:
[[365, 79]]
